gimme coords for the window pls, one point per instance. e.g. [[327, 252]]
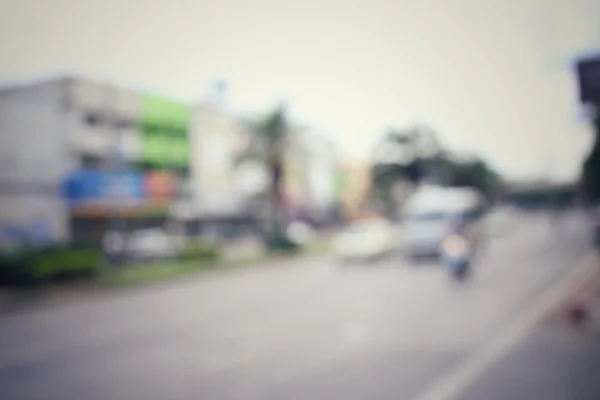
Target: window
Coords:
[[89, 161], [96, 118], [93, 118], [124, 123]]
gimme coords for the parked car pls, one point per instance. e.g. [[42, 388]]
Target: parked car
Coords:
[[143, 244], [365, 240], [300, 233], [152, 243]]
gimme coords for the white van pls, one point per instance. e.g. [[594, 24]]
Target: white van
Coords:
[[433, 212]]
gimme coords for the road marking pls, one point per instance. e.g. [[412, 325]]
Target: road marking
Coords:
[[459, 379]]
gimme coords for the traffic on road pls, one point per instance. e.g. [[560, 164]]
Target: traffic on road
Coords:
[[302, 329]]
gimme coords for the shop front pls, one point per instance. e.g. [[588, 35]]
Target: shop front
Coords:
[[100, 202]]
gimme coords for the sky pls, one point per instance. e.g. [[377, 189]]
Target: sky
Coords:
[[492, 78]]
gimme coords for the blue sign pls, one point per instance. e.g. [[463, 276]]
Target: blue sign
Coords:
[[82, 186]]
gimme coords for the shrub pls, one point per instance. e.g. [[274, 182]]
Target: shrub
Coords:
[[28, 266], [199, 251], [15, 268], [280, 243]]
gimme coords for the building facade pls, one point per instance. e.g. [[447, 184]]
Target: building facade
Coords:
[[33, 157], [220, 137], [216, 137], [78, 152]]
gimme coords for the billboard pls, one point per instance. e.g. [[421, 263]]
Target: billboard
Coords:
[[588, 77], [86, 187], [97, 192], [160, 185], [164, 129]]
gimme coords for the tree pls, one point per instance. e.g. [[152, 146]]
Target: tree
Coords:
[[476, 174], [269, 138], [406, 146], [415, 155], [401, 160]]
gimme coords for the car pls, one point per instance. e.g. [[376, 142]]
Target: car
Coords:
[[152, 244], [365, 240], [300, 233], [143, 244]]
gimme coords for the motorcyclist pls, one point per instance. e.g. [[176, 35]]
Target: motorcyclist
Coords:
[[466, 227]]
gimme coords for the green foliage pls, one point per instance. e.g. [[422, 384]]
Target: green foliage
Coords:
[[476, 174], [269, 137], [415, 155], [199, 252], [28, 266], [280, 243]]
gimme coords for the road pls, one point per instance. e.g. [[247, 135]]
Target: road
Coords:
[[302, 330]]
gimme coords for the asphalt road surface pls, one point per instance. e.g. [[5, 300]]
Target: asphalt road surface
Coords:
[[302, 330]]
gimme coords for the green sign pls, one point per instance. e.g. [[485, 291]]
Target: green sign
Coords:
[[164, 128]]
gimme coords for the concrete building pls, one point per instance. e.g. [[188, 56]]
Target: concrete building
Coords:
[[33, 157], [216, 137], [319, 179], [54, 127], [223, 187], [58, 127], [356, 188]]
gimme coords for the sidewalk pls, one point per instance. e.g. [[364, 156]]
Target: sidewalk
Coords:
[[557, 361], [554, 363]]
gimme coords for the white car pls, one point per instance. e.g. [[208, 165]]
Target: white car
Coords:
[[152, 243], [365, 240], [142, 244]]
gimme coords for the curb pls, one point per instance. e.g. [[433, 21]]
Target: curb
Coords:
[[453, 384], [576, 308], [15, 301]]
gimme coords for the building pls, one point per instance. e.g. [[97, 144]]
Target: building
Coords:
[[217, 136], [225, 187], [356, 188], [32, 161], [76, 152], [315, 178]]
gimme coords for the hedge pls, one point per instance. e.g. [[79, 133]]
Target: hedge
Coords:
[[200, 252], [280, 243], [28, 266]]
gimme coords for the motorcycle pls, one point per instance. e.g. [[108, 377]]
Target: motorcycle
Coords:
[[456, 255]]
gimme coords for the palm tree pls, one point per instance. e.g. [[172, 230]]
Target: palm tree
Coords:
[[269, 138], [407, 145], [401, 160]]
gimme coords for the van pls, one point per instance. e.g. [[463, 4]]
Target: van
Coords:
[[432, 213]]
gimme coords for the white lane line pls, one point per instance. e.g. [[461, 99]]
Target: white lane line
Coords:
[[459, 379]]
